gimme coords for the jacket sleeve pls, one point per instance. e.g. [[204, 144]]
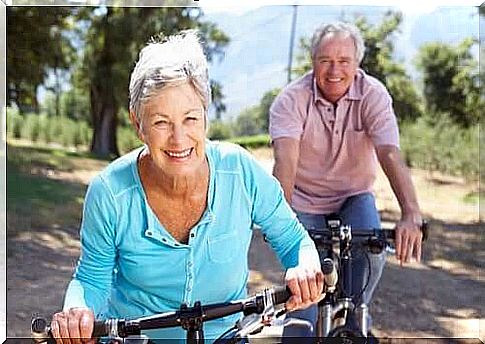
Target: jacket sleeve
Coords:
[[92, 280], [273, 215]]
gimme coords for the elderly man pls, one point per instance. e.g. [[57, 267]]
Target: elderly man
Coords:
[[329, 128]]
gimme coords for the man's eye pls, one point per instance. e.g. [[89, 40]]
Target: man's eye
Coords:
[[161, 123], [192, 119]]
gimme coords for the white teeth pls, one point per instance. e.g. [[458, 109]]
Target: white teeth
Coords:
[[182, 154], [334, 79]]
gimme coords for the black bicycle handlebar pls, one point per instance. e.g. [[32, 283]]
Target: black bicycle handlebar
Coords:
[[327, 233], [41, 331]]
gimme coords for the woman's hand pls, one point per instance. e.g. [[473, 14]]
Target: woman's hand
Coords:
[[73, 326], [306, 284]]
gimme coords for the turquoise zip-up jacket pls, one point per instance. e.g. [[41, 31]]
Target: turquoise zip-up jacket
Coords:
[[130, 266]]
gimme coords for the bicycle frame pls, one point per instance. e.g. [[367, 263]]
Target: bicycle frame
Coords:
[[353, 320], [340, 302]]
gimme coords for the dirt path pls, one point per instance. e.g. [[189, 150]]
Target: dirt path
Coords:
[[441, 297]]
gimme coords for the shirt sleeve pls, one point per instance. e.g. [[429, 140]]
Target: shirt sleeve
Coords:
[[270, 211], [285, 119], [379, 118], [91, 284]]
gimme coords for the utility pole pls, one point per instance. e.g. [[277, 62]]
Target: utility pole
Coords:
[[292, 41]]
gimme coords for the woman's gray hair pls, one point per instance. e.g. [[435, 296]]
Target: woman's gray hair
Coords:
[[339, 28], [171, 62]]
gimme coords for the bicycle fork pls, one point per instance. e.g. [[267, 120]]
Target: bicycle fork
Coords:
[[327, 313]]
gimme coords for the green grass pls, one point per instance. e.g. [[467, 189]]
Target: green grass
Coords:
[[35, 201], [473, 197], [255, 141]]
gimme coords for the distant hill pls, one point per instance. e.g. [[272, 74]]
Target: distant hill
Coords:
[[257, 57]]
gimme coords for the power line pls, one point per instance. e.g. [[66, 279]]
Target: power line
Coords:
[[292, 41]]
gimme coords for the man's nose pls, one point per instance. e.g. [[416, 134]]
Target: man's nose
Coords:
[[332, 66]]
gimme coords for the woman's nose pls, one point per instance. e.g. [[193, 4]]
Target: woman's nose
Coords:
[[177, 132]]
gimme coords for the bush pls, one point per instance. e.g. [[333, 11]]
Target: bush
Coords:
[[219, 130], [255, 141], [32, 127], [441, 146], [14, 123], [127, 139]]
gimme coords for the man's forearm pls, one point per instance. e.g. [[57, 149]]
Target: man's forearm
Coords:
[[286, 153], [286, 179], [400, 180]]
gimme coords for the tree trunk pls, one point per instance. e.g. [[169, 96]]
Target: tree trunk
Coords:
[[103, 110], [104, 106]]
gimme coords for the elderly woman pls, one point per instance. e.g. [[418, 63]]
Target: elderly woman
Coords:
[[171, 222]]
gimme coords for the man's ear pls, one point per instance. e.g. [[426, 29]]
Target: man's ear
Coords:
[[137, 125]]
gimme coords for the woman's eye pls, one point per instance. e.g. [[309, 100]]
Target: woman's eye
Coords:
[[160, 123]]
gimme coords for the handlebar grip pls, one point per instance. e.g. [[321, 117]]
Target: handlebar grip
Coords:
[[424, 229], [281, 295], [100, 329], [41, 332]]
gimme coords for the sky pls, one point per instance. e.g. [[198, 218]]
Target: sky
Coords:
[[407, 7]]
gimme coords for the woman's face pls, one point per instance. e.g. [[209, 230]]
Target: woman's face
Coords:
[[173, 127]]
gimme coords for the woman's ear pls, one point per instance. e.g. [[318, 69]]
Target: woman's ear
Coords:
[[137, 125]]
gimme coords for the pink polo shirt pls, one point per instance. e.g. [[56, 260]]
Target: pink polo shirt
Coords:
[[337, 155]]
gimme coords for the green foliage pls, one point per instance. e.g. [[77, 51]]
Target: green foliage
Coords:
[[32, 127], [219, 130], [255, 120], [127, 139], [440, 145], [48, 129], [113, 40], [36, 43], [255, 141], [14, 123], [264, 105], [378, 62], [249, 122], [451, 81]]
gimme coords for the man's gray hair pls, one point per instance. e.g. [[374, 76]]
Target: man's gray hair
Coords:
[[339, 28], [171, 62]]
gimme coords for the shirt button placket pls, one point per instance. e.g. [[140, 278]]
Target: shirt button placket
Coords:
[[190, 277]]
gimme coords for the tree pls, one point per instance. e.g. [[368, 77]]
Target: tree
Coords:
[[378, 62], [113, 38], [451, 81], [255, 119], [34, 38], [248, 122]]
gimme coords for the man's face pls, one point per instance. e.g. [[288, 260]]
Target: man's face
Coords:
[[335, 65]]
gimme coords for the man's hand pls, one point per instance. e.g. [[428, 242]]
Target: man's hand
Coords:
[[306, 285], [409, 238]]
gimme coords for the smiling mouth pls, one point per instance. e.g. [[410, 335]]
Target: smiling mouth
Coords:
[[334, 79], [179, 154]]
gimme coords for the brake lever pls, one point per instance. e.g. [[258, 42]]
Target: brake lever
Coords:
[[293, 322]]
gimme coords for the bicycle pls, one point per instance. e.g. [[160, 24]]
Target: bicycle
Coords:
[[339, 315], [336, 311], [259, 311]]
